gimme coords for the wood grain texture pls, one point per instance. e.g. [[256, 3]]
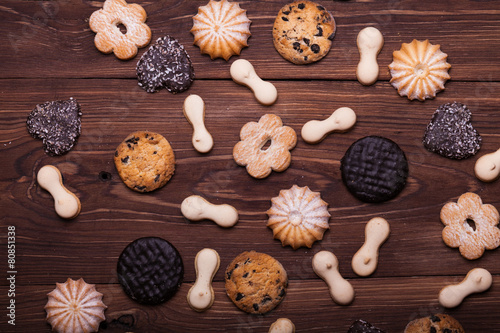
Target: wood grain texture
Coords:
[[49, 54]]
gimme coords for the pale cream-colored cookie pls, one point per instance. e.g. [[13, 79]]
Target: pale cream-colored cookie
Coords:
[[487, 167], [282, 325], [66, 203], [298, 217], [109, 38], [326, 265], [221, 29], [341, 120], [201, 296], [194, 111], [76, 307], [251, 151], [242, 72], [196, 208], [477, 280], [370, 42]]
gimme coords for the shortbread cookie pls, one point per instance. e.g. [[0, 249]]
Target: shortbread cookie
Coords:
[[470, 225], [361, 326], [57, 124], [145, 161], [150, 270], [250, 151], [419, 70], [374, 169], [165, 64], [450, 132], [256, 282], [106, 21], [298, 217], [440, 323], [221, 29], [303, 32], [75, 306]]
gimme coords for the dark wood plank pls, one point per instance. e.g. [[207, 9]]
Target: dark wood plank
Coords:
[[58, 31], [307, 304]]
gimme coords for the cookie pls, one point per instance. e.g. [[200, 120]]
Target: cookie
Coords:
[[450, 132], [361, 326], [109, 38], [374, 169], [303, 32], [298, 217], [470, 225], [166, 64], [250, 151], [419, 70], [145, 161], [221, 29], [440, 323], [75, 306], [150, 270], [57, 124], [256, 282]]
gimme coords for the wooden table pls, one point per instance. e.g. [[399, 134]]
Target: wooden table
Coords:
[[48, 54]]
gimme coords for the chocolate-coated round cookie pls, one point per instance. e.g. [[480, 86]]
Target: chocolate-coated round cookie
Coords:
[[150, 270], [374, 169]]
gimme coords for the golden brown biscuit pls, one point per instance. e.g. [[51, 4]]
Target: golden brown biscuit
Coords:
[[256, 282], [105, 23], [145, 161], [470, 225], [440, 323], [303, 32]]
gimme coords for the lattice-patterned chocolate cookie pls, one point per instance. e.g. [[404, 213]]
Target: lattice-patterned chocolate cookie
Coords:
[[150, 270], [374, 169]]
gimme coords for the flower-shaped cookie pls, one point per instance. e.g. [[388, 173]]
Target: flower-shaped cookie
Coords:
[[106, 21], [251, 151], [470, 225]]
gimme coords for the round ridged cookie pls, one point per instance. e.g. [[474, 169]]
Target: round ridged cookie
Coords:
[[150, 270], [145, 161], [374, 169], [256, 282], [303, 32]]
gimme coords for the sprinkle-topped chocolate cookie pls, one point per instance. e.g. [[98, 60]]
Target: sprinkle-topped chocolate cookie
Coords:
[[361, 326], [374, 169], [303, 32], [256, 282], [450, 132], [150, 270], [57, 124], [165, 64], [145, 161]]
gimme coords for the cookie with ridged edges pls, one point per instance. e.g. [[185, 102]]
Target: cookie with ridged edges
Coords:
[[145, 161], [374, 169], [303, 32], [256, 282], [150, 270]]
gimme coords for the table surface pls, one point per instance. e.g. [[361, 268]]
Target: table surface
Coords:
[[48, 54]]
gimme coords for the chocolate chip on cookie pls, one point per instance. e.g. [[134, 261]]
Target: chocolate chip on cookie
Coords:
[[303, 32], [439, 323], [165, 64], [145, 161], [57, 124], [256, 282]]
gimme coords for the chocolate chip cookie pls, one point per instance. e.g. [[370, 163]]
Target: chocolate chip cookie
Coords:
[[303, 32], [440, 323], [256, 282], [145, 161]]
